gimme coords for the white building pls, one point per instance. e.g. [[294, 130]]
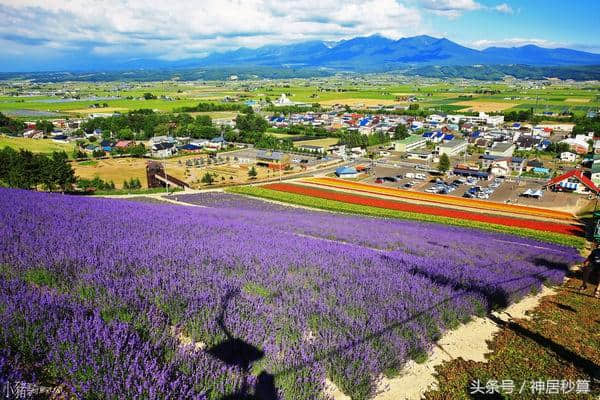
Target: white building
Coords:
[[435, 118], [283, 101], [452, 148], [568, 156], [482, 118], [501, 149]]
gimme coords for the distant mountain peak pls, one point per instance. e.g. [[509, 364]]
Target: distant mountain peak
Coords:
[[375, 53]]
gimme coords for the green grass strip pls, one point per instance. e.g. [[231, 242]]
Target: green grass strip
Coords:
[[333, 205]]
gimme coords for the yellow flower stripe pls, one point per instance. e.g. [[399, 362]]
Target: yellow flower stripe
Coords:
[[437, 198]]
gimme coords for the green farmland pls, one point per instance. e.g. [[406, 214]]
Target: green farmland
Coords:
[[429, 95]]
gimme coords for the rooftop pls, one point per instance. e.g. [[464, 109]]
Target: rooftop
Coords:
[[410, 139], [500, 146], [453, 143]]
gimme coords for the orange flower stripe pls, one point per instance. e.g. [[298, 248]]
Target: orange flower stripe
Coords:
[[423, 209], [441, 199]]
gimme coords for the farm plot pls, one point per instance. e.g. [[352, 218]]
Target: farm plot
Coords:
[[364, 102], [416, 208], [370, 210], [35, 145], [440, 199], [485, 106], [116, 170], [325, 142], [171, 298]]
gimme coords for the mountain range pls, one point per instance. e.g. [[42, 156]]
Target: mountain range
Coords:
[[378, 53]]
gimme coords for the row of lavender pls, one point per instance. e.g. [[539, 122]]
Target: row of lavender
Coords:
[[94, 294]]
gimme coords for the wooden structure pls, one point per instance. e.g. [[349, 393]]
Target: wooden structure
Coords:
[[155, 173]]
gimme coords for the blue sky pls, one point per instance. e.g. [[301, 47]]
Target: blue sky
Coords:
[[92, 34]]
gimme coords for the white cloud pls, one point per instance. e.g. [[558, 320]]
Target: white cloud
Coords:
[[450, 8], [181, 28], [514, 42], [504, 8], [455, 8]]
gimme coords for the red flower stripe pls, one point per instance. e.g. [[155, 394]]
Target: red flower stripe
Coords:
[[417, 208], [441, 199]]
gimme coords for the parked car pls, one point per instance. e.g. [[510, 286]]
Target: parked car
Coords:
[[378, 180]]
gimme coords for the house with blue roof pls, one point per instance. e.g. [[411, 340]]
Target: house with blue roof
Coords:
[[437, 137], [346, 172]]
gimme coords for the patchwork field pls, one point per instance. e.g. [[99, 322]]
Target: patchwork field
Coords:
[[578, 100], [355, 102], [98, 110], [171, 298], [357, 202], [116, 170], [440, 96], [35, 145], [485, 106], [325, 142]]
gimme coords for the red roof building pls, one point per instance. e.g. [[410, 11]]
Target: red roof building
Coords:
[[572, 181], [122, 144]]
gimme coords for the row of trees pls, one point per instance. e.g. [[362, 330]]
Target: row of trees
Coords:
[[10, 125], [206, 107], [95, 184], [584, 125], [25, 170]]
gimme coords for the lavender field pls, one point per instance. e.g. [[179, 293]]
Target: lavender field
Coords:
[[240, 299]]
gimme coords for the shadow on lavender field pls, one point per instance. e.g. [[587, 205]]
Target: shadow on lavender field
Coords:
[[280, 299], [236, 352]]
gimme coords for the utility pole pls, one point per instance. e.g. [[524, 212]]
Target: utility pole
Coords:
[[166, 179]]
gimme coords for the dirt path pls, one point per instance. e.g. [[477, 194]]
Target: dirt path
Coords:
[[469, 342]]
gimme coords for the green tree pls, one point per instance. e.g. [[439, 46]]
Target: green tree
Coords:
[[251, 123], [444, 164], [63, 173], [44, 125], [125, 134], [138, 150], [208, 179], [401, 132], [252, 173]]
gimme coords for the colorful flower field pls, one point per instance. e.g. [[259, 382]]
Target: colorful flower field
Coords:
[[119, 299], [441, 199], [423, 209]]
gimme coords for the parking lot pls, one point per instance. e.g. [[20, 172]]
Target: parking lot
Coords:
[[508, 190]]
